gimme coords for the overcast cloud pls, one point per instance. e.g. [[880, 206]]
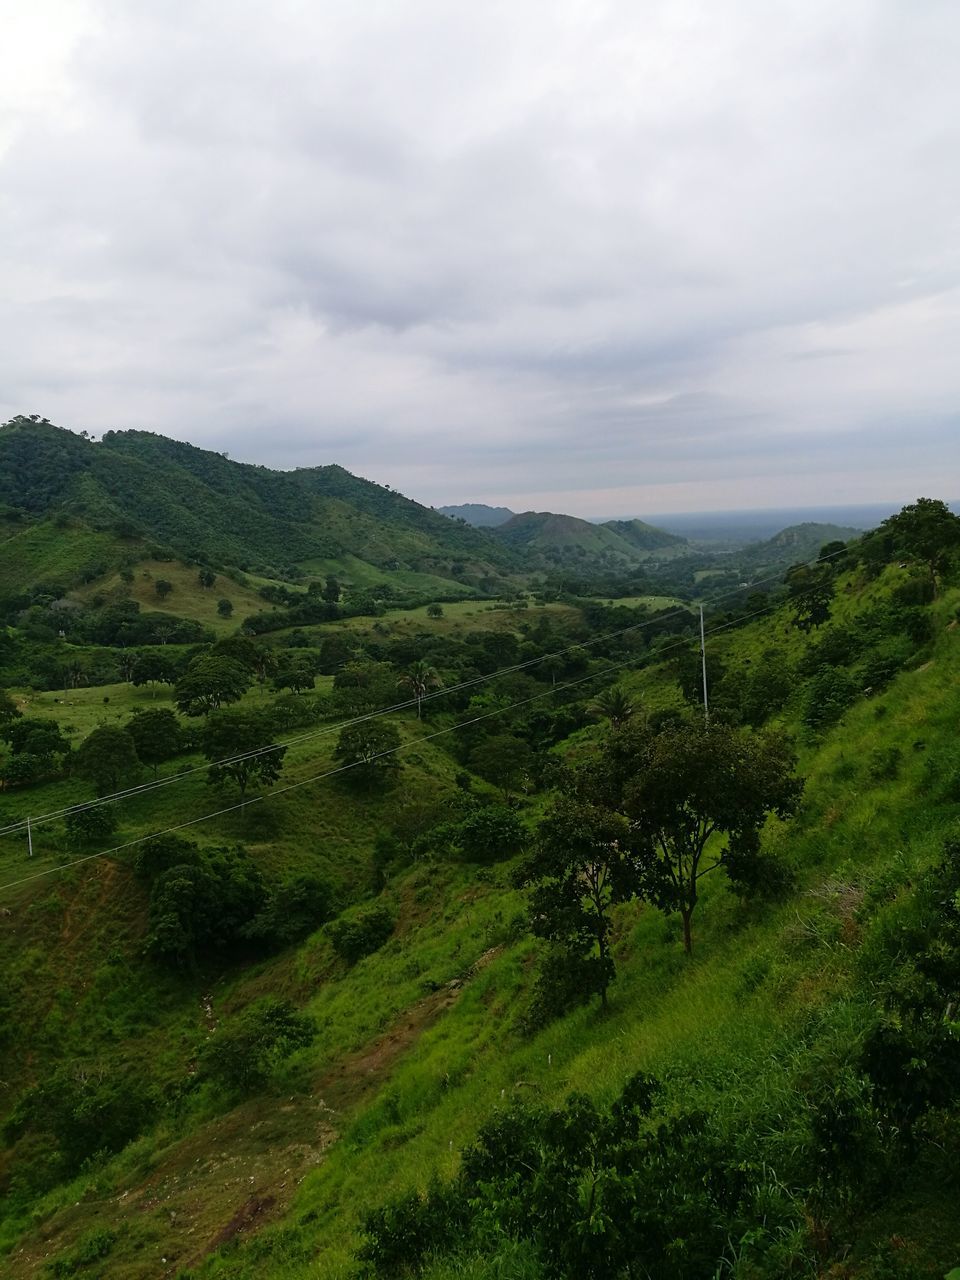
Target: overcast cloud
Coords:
[[599, 257]]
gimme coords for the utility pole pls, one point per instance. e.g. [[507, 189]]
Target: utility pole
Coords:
[[29, 839], [703, 663]]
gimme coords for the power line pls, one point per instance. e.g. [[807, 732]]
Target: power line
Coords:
[[182, 774], [340, 769]]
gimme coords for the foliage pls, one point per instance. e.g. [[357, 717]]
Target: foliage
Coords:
[[811, 590], [368, 751], [504, 760], [583, 863], [86, 827], [209, 683], [239, 743], [597, 1193], [295, 907], [107, 757], [354, 937], [156, 735], [420, 678], [201, 901], [927, 530], [694, 782], [614, 704], [87, 1107], [244, 1051], [490, 833]]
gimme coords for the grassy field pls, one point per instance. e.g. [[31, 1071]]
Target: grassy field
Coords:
[[358, 575], [187, 599], [42, 552]]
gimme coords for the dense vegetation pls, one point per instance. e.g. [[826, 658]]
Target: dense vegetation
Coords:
[[536, 974]]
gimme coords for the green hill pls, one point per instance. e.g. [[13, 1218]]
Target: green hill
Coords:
[[134, 484], [478, 514], [546, 538]]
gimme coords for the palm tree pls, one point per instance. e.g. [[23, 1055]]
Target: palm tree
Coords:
[[419, 679], [615, 704]]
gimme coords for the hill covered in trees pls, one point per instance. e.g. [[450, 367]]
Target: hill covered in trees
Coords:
[[548, 539], [137, 486]]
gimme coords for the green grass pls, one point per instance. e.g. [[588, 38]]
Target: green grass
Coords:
[[407, 1066], [187, 599], [42, 552]]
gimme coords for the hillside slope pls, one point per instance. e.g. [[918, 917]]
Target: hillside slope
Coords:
[[209, 508], [429, 1039]]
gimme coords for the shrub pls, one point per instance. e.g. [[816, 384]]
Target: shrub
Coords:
[[366, 932]]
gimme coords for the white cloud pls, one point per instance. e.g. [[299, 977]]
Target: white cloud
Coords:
[[681, 253]]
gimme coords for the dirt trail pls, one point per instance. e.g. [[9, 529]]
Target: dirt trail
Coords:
[[240, 1171]]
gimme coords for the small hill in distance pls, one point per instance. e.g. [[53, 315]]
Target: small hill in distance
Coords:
[[478, 514], [552, 537]]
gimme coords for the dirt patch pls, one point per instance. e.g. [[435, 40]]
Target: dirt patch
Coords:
[[241, 1221]]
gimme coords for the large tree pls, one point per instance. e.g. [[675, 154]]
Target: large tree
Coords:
[[240, 745], [420, 678], [208, 683], [107, 757], [583, 863], [926, 530], [369, 750], [693, 782], [156, 735]]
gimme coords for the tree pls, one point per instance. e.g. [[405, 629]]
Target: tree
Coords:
[[153, 668], [225, 608], [420, 678], [295, 674], [503, 760], [295, 908], [242, 740], [206, 578], [106, 757], [208, 683], [8, 710], [583, 863], [926, 530], [615, 704], [331, 590], [692, 782], [490, 833], [156, 735], [434, 610], [86, 827], [35, 737], [243, 1054], [811, 591], [200, 901], [163, 588], [368, 750]]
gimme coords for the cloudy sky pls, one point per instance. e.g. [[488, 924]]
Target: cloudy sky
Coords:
[[619, 258]]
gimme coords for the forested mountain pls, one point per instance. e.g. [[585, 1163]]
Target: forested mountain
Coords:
[[478, 514], [208, 508], [550, 539]]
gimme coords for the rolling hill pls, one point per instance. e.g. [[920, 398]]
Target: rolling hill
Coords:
[[546, 538], [141, 487]]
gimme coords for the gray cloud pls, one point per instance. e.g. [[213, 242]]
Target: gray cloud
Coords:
[[607, 257]]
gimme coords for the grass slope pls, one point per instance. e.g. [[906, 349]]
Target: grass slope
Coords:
[[420, 1042]]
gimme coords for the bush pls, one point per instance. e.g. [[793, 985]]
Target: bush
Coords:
[[361, 936], [241, 1055], [489, 834], [90, 826]]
